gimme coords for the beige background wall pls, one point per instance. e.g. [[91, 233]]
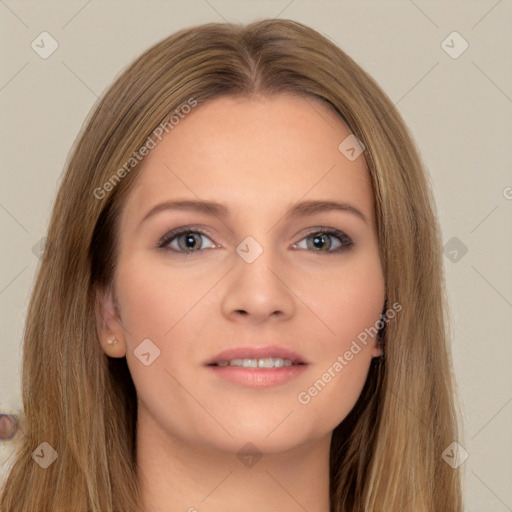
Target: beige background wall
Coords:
[[458, 109]]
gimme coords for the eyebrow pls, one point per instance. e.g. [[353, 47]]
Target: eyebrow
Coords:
[[302, 209]]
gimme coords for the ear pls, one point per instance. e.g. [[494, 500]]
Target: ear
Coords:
[[378, 344], [380, 339], [377, 350], [110, 330]]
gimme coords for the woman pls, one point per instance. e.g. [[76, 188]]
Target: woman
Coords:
[[241, 302]]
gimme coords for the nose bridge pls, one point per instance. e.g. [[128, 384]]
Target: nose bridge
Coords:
[[257, 267], [257, 282]]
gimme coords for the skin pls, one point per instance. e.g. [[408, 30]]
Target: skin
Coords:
[[258, 156]]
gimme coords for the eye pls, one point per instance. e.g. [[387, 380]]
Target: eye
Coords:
[[189, 240], [185, 240], [322, 241]]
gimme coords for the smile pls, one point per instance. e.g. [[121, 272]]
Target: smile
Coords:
[[267, 362]]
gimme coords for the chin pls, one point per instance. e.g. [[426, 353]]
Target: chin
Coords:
[[268, 436]]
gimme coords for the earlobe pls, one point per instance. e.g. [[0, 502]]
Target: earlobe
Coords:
[[378, 347], [110, 331], [378, 351]]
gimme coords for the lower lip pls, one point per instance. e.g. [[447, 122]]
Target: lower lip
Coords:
[[264, 378]]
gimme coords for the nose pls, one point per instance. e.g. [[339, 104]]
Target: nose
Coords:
[[258, 291]]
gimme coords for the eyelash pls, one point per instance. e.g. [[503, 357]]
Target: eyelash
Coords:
[[345, 240]]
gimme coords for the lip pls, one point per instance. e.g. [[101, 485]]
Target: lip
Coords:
[[255, 377], [257, 353]]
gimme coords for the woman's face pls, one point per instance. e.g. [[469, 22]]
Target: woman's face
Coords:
[[252, 275]]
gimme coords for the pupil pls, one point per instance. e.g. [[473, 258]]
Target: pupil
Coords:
[[190, 241], [319, 241]]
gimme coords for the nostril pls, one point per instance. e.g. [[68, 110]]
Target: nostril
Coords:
[[8, 426]]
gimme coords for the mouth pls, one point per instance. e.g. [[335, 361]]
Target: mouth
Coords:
[[253, 363], [270, 356], [258, 366]]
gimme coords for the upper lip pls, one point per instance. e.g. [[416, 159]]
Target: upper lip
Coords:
[[257, 353]]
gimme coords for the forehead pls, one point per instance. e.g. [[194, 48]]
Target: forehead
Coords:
[[263, 153]]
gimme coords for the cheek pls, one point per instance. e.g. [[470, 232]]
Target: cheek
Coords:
[[156, 304], [332, 393], [153, 298], [348, 301], [163, 305]]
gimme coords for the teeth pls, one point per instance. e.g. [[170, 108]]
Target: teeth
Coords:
[[268, 362]]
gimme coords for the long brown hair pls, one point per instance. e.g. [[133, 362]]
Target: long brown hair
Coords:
[[386, 455]]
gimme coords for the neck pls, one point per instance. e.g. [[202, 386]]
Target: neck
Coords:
[[176, 476]]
